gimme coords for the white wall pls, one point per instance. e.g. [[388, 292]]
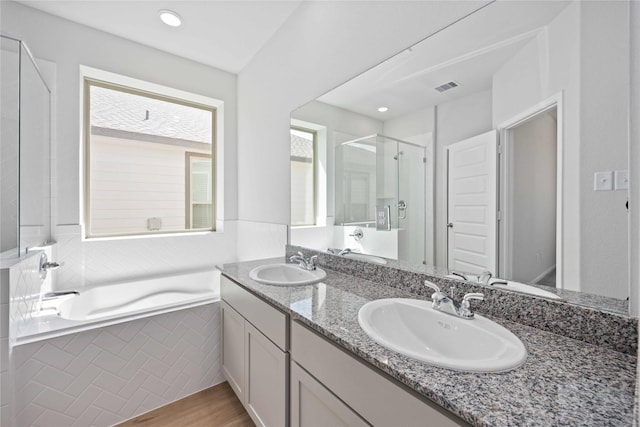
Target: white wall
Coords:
[[322, 44], [604, 132], [634, 171], [532, 199], [69, 45], [9, 110], [575, 56]]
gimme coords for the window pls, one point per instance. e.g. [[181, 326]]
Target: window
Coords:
[[303, 177], [149, 162], [199, 213]]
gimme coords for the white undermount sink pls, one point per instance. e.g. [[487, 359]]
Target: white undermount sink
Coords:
[[412, 327], [286, 275]]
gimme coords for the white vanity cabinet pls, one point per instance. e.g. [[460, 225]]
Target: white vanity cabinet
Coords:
[[319, 385], [313, 405], [328, 382], [255, 360]]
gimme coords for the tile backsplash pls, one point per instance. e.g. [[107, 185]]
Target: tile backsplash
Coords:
[[25, 290]]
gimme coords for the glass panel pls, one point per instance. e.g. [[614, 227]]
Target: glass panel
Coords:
[[35, 208], [356, 182], [9, 138], [201, 208], [411, 194], [202, 216], [25, 153]]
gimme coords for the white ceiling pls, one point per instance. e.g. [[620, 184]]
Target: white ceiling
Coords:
[[469, 53], [222, 34]]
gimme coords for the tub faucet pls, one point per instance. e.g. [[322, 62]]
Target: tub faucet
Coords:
[[443, 303], [460, 275], [337, 251], [307, 264], [57, 295], [484, 277]]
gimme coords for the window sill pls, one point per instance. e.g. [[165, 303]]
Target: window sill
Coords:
[[149, 236], [300, 227]]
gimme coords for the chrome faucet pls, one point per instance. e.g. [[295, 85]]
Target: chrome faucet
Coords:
[[57, 295], [345, 251], [307, 264], [443, 303]]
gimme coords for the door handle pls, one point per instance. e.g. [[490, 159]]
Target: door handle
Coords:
[[450, 225]]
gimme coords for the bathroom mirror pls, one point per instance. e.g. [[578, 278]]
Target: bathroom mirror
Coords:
[[499, 143]]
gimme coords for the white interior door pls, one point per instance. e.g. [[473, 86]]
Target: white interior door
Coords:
[[472, 204]]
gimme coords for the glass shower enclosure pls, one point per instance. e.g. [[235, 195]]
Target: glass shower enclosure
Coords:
[[25, 166], [381, 173]]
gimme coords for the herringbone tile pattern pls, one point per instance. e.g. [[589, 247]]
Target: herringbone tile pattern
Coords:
[[105, 376]]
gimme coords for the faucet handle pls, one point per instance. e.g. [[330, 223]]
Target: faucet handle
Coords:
[[465, 307], [460, 275], [437, 296], [313, 261], [432, 285], [473, 295]]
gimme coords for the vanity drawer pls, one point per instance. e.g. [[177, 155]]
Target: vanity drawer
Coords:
[[377, 399], [262, 315]]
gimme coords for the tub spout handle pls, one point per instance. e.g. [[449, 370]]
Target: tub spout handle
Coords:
[[56, 295]]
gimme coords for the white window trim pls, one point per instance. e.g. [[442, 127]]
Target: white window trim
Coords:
[[94, 73], [320, 171]]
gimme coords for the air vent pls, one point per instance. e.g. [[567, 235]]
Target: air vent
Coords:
[[447, 86]]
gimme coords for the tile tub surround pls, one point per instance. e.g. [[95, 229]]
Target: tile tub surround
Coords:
[[107, 375], [600, 327], [563, 382]]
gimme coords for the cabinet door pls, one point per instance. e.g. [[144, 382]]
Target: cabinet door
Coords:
[[233, 349], [266, 379], [312, 405]]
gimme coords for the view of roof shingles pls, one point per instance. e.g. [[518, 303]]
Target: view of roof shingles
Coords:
[[301, 147], [113, 109]]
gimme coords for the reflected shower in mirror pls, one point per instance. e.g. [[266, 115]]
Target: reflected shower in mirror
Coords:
[[506, 122], [380, 194]]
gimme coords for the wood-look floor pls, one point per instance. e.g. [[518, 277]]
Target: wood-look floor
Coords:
[[214, 407]]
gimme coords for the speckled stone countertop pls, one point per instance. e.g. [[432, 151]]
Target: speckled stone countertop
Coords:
[[601, 326], [564, 382]]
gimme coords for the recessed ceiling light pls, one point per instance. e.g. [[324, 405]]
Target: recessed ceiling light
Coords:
[[170, 18], [383, 109]]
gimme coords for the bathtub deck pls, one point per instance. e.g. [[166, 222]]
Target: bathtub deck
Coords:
[[214, 407]]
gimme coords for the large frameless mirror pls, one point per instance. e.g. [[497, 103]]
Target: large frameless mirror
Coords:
[[499, 144]]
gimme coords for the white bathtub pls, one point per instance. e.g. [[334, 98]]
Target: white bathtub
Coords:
[[159, 294], [110, 304], [117, 351]]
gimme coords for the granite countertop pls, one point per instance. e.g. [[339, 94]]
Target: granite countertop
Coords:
[[564, 382]]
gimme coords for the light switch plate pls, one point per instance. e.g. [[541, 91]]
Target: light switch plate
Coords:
[[603, 181], [621, 180]]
